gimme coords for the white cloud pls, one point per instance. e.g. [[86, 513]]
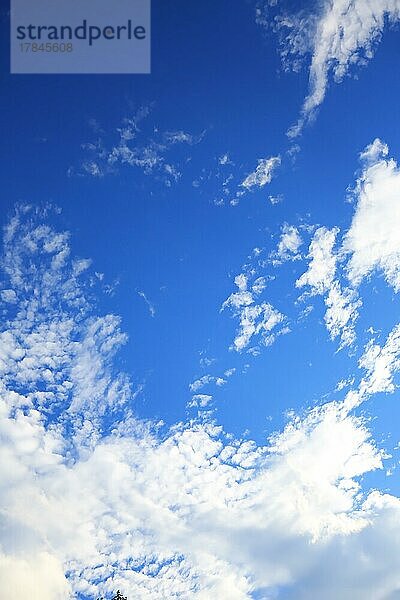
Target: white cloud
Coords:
[[92, 168], [241, 282], [322, 267], [230, 183], [52, 342], [263, 173], [200, 400], [342, 313], [259, 285], [39, 577], [380, 364], [275, 199], [255, 320], [198, 384], [343, 34], [224, 159], [97, 500], [371, 244], [372, 240], [342, 303], [154, 516], [150, 305], [230, 372], [374, 151], [336, 267], [289, 244], [182, 137], [239, 299], [8, 296], [343, 383], [135, 145]]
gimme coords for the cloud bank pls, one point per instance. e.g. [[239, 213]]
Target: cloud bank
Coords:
[[95, 499]]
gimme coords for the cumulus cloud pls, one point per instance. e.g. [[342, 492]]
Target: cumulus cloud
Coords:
[[370, 245], [322, 261], [97, 500], [372, 240], [289, 244], [374, 151], [342, 313], [337, 262], [255, 319], [40, 577]]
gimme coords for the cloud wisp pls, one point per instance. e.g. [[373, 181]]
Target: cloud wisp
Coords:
[[133, 145], [340, 35]]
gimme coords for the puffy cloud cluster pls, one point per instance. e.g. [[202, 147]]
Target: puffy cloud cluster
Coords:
[[96, 500], [370, 246], [255, 320], [337, 262]]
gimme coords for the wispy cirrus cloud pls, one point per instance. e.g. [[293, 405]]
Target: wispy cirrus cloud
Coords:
[[149, 304], [136, 144], [333, 39]]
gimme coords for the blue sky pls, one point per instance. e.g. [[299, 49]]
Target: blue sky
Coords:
[[200, 345]]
